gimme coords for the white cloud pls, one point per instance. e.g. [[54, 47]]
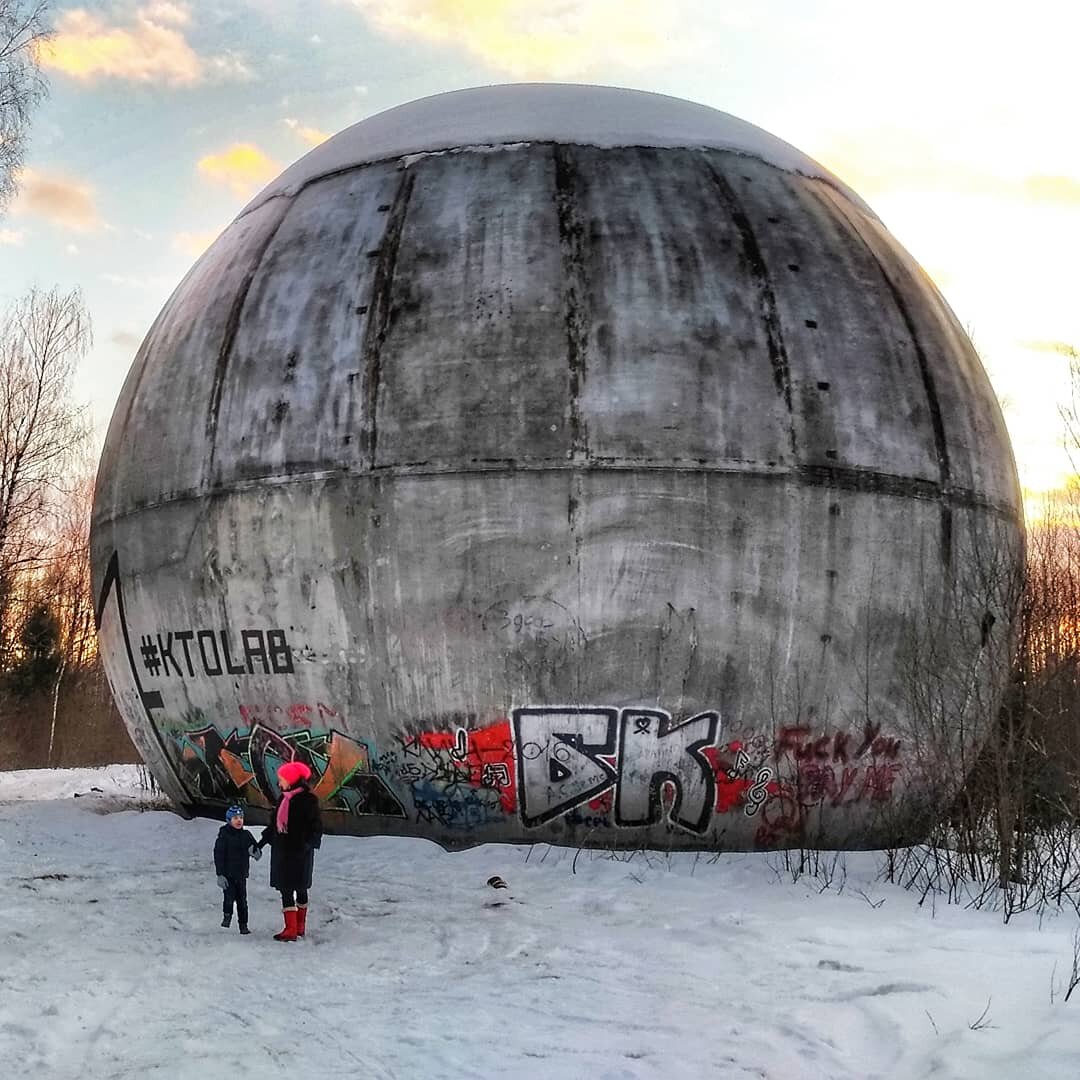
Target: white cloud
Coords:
[[242, 167], [128, 340], [165, 12], [311, 135], [148, 46], [556, 39], [59, 199], [232, 67]]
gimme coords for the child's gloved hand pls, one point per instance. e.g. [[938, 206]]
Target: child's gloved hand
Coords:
[[256, 852], [223, 881]]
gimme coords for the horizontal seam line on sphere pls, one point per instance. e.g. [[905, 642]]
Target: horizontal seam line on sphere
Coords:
[[859, 481], [289, 193]]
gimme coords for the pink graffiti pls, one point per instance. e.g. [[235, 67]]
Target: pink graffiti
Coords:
[[297, 714]]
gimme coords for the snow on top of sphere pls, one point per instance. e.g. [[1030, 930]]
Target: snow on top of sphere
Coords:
[[601, 116]]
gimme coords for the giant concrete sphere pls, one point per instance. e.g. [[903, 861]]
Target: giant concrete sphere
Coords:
[[560, 463]]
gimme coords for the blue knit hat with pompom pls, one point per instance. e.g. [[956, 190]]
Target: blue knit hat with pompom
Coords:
[[233, 811]]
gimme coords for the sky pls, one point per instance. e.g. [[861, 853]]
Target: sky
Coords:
[[955, 120]]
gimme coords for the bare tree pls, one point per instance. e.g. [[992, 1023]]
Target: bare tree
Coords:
[[42, 337], [22, 32], [1070, 410], [66, 583]]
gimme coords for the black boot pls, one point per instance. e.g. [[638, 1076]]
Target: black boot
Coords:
[[244, 929], [226, 921]]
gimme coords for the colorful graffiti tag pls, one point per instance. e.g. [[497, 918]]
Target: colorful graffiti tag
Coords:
[[460, 779], [243, 767], [569, 757], [592, 768], [818, 769], [595, 769]]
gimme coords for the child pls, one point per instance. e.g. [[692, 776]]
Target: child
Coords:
[[231, 851]]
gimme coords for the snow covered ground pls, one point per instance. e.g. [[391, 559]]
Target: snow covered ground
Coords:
[[121, 782], [113, 963]]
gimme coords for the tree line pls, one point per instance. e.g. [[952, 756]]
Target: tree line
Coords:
[[48, 655], [46, 495]]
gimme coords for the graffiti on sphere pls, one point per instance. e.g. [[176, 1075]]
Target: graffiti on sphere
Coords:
[[190, 653], [571, 757], [462, 779], [591, 767], [595, 767], [817, 769], [243, 767]]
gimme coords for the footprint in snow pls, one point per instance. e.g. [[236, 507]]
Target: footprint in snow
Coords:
[[885, 990], [835, 965]]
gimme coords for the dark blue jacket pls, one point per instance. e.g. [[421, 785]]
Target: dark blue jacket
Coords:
[[232, 851]]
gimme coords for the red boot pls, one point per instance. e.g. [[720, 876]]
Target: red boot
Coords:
[[301, 919], [289, 933]]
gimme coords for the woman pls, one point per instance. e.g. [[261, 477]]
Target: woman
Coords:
[[294, 833]]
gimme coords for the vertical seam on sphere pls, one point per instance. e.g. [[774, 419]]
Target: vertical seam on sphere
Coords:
[[379, 307], [937, 423], [767, 306], [231, 326], [571, 249]]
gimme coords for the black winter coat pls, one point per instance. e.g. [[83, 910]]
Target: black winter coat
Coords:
[[231, 852], [292, 853]]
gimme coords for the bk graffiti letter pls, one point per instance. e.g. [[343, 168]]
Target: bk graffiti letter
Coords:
[[653, 752], [559, 759]]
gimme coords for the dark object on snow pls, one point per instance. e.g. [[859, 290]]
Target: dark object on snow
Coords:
[[292, 854], [497, 882], [232, 851], [235, 893]]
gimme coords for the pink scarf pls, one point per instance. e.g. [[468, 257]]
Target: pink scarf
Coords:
[[283, 808]]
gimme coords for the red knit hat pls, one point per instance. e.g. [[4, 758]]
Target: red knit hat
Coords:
[[292, 772]]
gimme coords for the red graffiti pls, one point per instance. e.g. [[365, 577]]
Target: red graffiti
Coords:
[[732, 782], [298, 714], [839, 747], [485, 754], [878, 781], [834, 769], [603, 804], [841, 786], [818, 784], [730, 794]]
